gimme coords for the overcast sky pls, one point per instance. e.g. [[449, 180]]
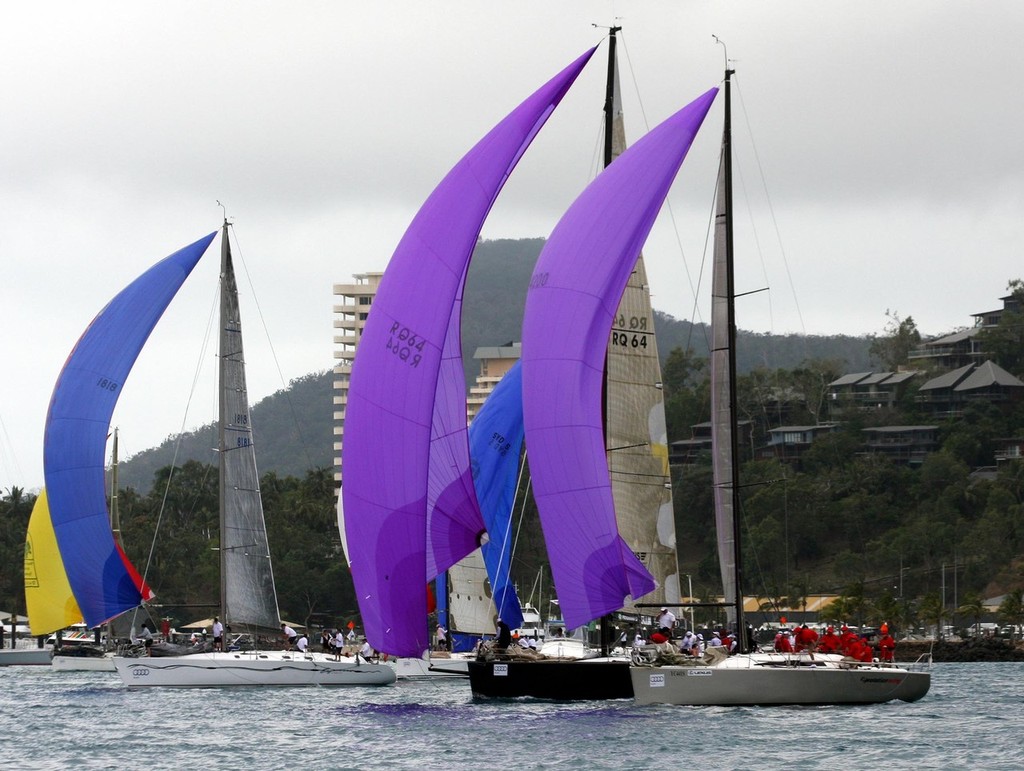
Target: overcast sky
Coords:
[[888, 148]]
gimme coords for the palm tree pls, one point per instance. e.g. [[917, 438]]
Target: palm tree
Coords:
[[836, 611], [1011, 610], [887, 609], [932, 611], [972, 606], [797, 598], [857, 603]]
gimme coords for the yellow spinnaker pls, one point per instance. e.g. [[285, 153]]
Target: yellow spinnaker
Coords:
[[48, 598]]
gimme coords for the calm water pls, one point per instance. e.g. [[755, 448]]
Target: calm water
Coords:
[[972, 718]]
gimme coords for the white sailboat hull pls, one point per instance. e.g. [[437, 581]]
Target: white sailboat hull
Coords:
[[83, 663], [759, 679], [457, 665], [25, 656], [263, 668]]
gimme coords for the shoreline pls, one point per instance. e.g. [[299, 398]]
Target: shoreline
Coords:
[[983, 649]]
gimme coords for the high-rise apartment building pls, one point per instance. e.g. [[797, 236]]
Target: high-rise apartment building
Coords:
[[495, 361], [350, 314]]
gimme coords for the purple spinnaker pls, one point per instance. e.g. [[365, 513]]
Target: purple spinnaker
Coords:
[[574, 292], [408, 502]]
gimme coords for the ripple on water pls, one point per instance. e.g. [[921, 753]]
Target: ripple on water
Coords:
[[971, 719]]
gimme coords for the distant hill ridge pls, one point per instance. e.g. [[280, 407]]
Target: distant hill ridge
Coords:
[[294, 426]]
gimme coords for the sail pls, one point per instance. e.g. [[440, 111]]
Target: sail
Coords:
[[470, 605], [76, 433], [636, 436], [573, 295], [408, 500], [48, 598], [495, 447], [722, 418], [247, 578]]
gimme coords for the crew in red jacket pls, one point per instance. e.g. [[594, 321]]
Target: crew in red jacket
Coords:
[[886, 645], [829, 642], [861, 651], [846, 639], [782, 643], [806, 639]]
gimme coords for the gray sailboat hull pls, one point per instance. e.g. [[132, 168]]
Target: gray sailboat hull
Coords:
[[776, 685]]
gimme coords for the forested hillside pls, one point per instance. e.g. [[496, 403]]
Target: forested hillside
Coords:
[[294, 426], [908, 544], [294, 434]]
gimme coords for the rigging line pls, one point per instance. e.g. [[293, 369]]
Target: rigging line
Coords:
[[508, 531], [522, 513], [273, 353], [203, 348], [770, 354], [752, 552], [668, 202], [771, 208], [8, 445], [695, 316]]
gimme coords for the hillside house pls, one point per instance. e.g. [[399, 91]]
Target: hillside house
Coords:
[[788, 443], [686, 452], [867, 391], [901, 444], [948, 395]]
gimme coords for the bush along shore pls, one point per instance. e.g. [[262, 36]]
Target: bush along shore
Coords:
[[979, 649]]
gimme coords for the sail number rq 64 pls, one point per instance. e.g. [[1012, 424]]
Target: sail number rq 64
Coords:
[[404, 343]]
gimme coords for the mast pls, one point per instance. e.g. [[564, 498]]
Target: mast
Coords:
[[730, 290], [609, 100], [636, 442], [222, 422], [610, 152], [115, 528]]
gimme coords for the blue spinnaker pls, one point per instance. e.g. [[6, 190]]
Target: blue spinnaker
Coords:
[[77, 425], [495, 445]]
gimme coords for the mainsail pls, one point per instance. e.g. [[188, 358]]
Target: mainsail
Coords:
[[76, 433], [636, 437], [724, 439], [408, 503], [574, 292], [248, 595]]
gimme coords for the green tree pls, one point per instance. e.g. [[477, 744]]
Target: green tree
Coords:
[[974, 608], [893, 348], [932, 611], [15, 508], [1004, 343], [887, 610], [1011, 610], [685, 383]]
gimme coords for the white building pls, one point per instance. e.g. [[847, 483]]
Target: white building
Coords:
[[350, 314]]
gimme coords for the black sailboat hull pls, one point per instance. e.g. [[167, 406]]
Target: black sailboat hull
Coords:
[[583, 680]]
